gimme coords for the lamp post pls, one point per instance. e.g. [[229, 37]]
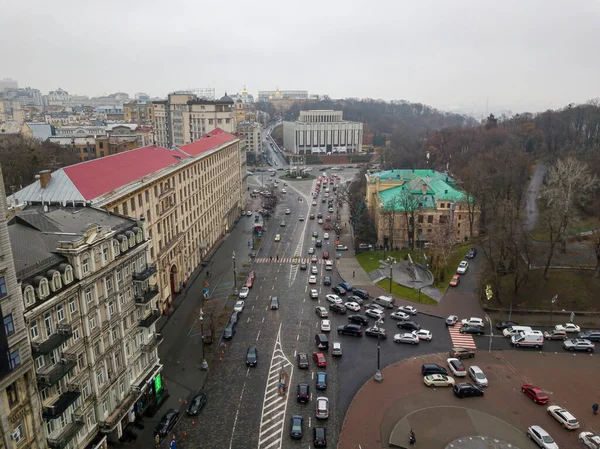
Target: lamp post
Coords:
[[420, 288], [487, 318], [392, 261], [378, 376], [234, 276], [204, 362]]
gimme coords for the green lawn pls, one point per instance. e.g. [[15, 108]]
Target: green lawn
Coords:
[[457, 256], [369, 260], [586, 224], [406, 293]]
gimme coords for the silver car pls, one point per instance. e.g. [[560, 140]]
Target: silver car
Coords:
[[322, 410], [541, 437], [579, 344]]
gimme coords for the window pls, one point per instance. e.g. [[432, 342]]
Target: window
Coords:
[[97, 349], [104, 254], [85, 263], [48, 324], [114, 334], [3, 291], [9, 325], [121, 299], [72, 306], [56, 282], [81, 361], [443, 219], [12, 394], [88, 295], [43, 289], [68, 275], [109, 285], [18, 432], [442, 205], [33, 330], [39, 363], [100, 379], [420, 219], [121, 388], [118, 275], [15, 359], [91, 419], [76, 334], [60, 310], [92, 321], [111, 308], [29, 295], [127, 349], [86, 389], [140, 201], [429, 218], [104, 404]]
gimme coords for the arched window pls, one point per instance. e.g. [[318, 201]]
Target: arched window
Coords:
[[131, 236], [116, 247], [138, 234], [105, 254], [29, 295], [56, 281], [43, 288], [68, 275], [85, 263], [124, 242]]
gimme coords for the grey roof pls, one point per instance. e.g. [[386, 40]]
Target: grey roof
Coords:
[[30, 248], [41, 131], [60, 190]]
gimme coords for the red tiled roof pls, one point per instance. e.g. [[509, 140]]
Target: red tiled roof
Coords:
[[207, 142], [100, 176]]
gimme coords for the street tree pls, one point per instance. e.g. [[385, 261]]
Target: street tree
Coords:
[[409, 205]]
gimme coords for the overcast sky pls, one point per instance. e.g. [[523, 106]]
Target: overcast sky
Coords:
[[519, 55]]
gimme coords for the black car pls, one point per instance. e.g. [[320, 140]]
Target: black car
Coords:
[[196, 404], [362, 294], [473, 330], [312, 216], [471, 253], [302, 360], [409, 325], [467, 390], [432, 368], [303, 266], [320, 437], [319, 244], [346, 286], [166, 423], [357, 299], [359, 319], [296, 431], [590, 335], [319, 215], [338, 308], [303, 393], [338, 290], [327, 280], [504, 324], [350, 329], [252, 356], [315, 234], [376, 332]]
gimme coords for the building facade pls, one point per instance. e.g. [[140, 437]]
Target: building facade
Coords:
[[416, 205], [251, 132], [93, 147], [268, 95], [183, 118], [322, 132], [190, 197], [137, 112], [19, 405], [88, 287]]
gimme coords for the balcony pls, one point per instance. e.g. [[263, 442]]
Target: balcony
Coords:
[[165, 192], [63, 333], [145, 274], [150, 319], [115, 417], [168, 207], [63, 402], [171, 244], [48, 378], [152, 343], [146, 296], [67, 434]]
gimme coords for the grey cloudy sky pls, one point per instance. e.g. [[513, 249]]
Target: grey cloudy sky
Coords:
[[521, 55]]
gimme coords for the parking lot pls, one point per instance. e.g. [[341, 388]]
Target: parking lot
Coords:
[[569, 379]]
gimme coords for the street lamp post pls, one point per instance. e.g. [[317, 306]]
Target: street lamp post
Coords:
[[378, 376], [204, 362], [487, 318], [420, 288], [234, 275]]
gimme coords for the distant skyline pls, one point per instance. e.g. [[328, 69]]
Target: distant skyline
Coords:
[[513, 55]]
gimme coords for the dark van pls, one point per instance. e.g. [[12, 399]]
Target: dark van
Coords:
[[321, 341], [346, 286], [432, 368], [362, 294], [358, 319], [229, 331]]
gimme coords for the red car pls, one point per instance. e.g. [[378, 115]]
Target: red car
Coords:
[[327, 227], [536, 394], [328, 218], [325, 255], [319, 359], [249, 282]]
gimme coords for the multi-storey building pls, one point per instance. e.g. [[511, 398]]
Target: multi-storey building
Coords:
[[252, 134], [268, 95], [324, 132], [183, 118], [93, 147], [19, 405], [137, 112], [87, 287], [425, 200], [189, 196]]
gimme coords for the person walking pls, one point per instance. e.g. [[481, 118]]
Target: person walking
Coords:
[[411, 439], [353, 274], [595, 409]]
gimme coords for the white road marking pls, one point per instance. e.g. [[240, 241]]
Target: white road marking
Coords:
[[236, 416], [248, 320], [263, 320], [297, 337], [258, 336]]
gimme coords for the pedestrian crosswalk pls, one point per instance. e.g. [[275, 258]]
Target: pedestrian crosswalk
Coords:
[[287, 260], [458, 339]]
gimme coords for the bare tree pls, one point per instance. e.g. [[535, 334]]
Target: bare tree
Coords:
[[409, 205], [596, 245], [389, 211], [442, 242]]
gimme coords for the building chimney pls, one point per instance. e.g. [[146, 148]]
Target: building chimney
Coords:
[[424, 189], [45, 176]]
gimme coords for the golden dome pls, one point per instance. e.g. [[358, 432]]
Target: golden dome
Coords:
[[244, 92]]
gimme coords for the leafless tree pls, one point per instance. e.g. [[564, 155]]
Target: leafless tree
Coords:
[[388, 213], [409, 205]]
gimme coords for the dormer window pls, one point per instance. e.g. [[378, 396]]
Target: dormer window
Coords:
[[43, 288], [68, 275], [105, 255], [85, 263], [138, 235], [131, 236], [56, 281], [116, 247], [29, 295]]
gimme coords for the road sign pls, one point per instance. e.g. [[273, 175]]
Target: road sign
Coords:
[[572, 316]]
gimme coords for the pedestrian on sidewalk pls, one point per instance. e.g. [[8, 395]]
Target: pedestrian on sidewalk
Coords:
[[277, 255], [595, 409], [353, 274], [411, 439], [248, 242]]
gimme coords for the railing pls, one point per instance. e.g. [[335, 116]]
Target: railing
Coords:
[[115, 417], [145, 273], [68, 433], [150, 319], [63, 402], [171, 243], [146, 296], [152, 344], [165, 192], [58, 371], [64, 331]]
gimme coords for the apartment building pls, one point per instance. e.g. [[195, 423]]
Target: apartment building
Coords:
[[137, 112], [183, 118], [87, 286], [251, 132], [19, 405], [93, 147], [189, 196], [427, 195]]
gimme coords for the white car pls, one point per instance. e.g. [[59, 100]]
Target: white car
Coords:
[[320, 221], [314, 294], [330, 209], [311, 250], [244, 292], [424, 334], [288, 211], [400, 316], [239, 306], [590, 439], [462, 267], [277, 237], [249, 213], [409, 338], [456, 367], [322, 410], [451, 320], [355, 307], [336, 349], [473, 321], [283, 191], [407, 309], [312, 279], [375, 313], [569, 328], [326, 236], [314, 269], [438, 380], [325, 325], [478, 376], [335, 299], [542, 438], [564, 417]]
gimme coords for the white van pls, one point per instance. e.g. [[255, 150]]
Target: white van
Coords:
[[515, 330], [385, 301], [329, 265], [531, 338]]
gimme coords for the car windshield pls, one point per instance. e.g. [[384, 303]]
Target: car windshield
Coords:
[[547, 439], [296, 425], [480, 375]]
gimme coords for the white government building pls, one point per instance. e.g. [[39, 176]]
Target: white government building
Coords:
[[322, 132]]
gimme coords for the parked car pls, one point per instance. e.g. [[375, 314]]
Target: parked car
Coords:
[[350, 329], [536, 394], [473, 321], [296, 430], [579, 344], [568, 327], [471, 253], [362, 294], [409, 325], [456, 367], [424, 334], [375, 313], [341, 248], [333, 298], [244, 291], [408, 309], [455, 280], [591, 440], [355, 307], [564, 417], [359, 319], [339, 290], [555, 335], [166, 423], [473, 330], [460, 352], [451, 320], [375, 331], [590, 335], [438, 380], [239, 306], [196, 404], [478, 376], [303, 393], [541, 438], [462, 267], [505, 324], [408, 337], [337, 308], [432, 368], [466, 390], [400, 316]]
